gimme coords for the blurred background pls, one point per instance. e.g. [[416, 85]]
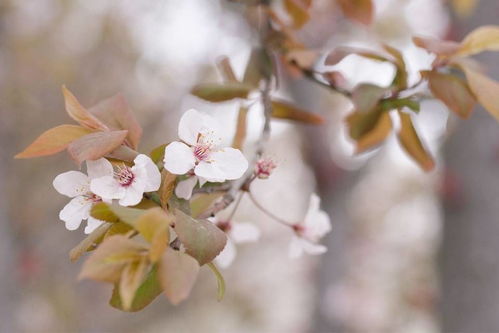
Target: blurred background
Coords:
[[409, 251]]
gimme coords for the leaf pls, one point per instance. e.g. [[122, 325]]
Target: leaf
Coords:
[[485, 89], [108, 260], [464, 8], [220, 281], [341, 53], [88, 242], [118, 228], [177, 274], [453, 92], [217, 92], [158, 154], [202, 239], [154, 226], [485, 38], [168, 181], [53, 141], [225, 68], [366, 96], [400, 79], [361, 11], [240, 134], [127, 214], [202, 202], [116, 114], [284, 110], [259, 66], [79, 113], [375, 135], [410, 141], [146, 293], [298, 11], [95, 145], [437, 46], [102, 211], [131, 277]]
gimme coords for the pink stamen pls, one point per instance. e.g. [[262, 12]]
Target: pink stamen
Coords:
[[124, 175], [94, 198], [202, 152]]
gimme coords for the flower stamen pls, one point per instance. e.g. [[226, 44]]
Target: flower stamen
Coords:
[[124, 175]]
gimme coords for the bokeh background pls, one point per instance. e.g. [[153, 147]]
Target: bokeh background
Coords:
[[409, 252]]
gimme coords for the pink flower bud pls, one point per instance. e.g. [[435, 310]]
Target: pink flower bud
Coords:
[[264, 168]]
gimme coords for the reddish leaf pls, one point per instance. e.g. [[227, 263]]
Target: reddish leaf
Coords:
[[95, 145], [437, 46], [53, 141], [79, 113], [168, 181], [361, 11]]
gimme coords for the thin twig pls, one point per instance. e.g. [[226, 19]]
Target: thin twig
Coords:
[[268, 213]]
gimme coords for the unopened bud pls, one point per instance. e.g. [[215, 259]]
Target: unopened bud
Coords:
[[264, 168]]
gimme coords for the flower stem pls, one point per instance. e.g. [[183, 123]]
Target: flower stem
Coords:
[[268, 213]]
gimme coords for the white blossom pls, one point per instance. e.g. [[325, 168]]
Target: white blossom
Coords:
[[76, 185], [200, 154], [128, 184], [315, 225]]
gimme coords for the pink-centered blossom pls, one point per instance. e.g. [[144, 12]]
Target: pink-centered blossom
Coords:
[[315, 225], [200, 154], [128, 184], [76, 185]]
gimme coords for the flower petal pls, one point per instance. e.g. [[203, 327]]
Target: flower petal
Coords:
[[317, 225], [75, 211], [227, 256], [92, 224], [152, 175], [298, 246], [227, 163], [209, 172], [99, 168], [244, 233], [71, 183], [107, 188], [194, 123], [133, 194], [184, 188], [179, 158]]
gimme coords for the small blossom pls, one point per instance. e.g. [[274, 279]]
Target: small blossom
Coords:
[[128, 184], [199, 153], [264, 168], [76, 185], [237, 233], [307, 234]]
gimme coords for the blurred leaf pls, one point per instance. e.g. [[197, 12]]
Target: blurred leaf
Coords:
[[146, 293], [127, 214], [115, 113], [177, 274], [259, 66], [53, 141], [102, 211], [485, 89], [158, 154], [366, 96], [226, 70], [398, 103], [108, 260], [95, 145], [464, 7], [485, 38], [437, 46], [400, 79], [298, 11], [220, 92], [375, 134], [202, 239], [168, 181], [118, 228], [283, 110], [361, 11], [88, 242], [362, 123], [304, 58], [202, 202], [154, 226], [412, 144], [341, 53], [79, 113], [131, 277], [220, 281], [240, 134], [453, 92]]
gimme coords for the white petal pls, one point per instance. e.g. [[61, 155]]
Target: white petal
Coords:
[[184, 188], [133, 194], [202, 181], [244, 233], [179, 158], [227, 256], [295, 248], [194, 123], [152, 179], [107, 188], [92, 224], [313, 248], [317, 225], [76, 210], [298, 246], [99, 168], [231, 162], [71, 183], [209, 172]]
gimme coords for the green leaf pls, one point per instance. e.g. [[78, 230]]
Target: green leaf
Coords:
[[259, 66], [202, 239], [131, 277], [366, 96], [284, 110], [202, 202], [220, 281], [146, 293], [400, 79], [127, 214], [177, 274], [374, 134], [154, 226], [102, 211], [158, 154], [53, 141], [218, 92], [95, 145], [88, 242]]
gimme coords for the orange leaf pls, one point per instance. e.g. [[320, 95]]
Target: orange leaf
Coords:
[[283, 110], [433, 45], [376, 134], [95, 145], [485, 38], [79, 113], [298, 11], [361, 11]]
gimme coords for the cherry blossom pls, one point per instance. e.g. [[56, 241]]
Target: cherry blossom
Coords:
[[200, 155], [264, 168], [76, 185], [315, 225], [128, 184], [237, 233]]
